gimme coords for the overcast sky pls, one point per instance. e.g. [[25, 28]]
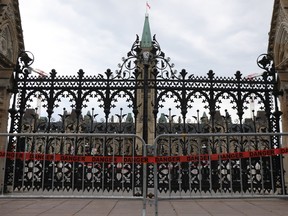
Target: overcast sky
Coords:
[[198, 35]]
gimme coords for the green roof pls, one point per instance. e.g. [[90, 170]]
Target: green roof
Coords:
[[146, 40]]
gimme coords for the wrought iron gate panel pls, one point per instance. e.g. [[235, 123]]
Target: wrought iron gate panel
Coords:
[[205, 176], [50, 167], [146, 80]]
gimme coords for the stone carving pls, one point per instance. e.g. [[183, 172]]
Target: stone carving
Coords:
[[7, 35], [7, 13], [6, 45]]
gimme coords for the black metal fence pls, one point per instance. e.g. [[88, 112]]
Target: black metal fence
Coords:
[[145, 84]]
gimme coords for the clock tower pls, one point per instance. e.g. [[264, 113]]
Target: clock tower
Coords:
[[145, 97]]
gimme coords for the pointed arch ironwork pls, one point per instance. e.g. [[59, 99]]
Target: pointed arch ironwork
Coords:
[[126, 82]]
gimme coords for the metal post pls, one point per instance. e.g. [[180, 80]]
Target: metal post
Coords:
[[155, 180], [144, 181]]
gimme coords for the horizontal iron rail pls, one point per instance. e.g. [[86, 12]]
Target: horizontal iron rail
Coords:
[[218, 134]]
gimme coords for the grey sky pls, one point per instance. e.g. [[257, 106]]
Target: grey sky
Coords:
[[198, 35]]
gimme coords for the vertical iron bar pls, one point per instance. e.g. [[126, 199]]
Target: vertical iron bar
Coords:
[[231, 175], [169, 165], [282, 175], [240, 164], [200, 165], [54, 164], [93, 154], [155, 180], [33, 177], [74, 144], [210, 175], [272, 171], [103, 164], [220, 161], [44, 163], [189, 169], [144, 147], [84, 164], [262, 175], [65, 152], [241, 178], [123, 164], [179, 180], [251, 177], [133, 165], [114, 166], [24, 164]]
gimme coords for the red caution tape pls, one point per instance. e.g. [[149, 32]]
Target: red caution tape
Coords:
[[140, 159]]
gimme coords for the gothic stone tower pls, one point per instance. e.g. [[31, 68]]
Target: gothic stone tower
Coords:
[[145, 123], [278, 49], [11, 43]]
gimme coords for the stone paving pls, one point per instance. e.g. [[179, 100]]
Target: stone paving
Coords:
[[121, 207]]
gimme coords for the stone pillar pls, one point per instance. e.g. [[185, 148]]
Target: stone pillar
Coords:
[[284, 109], [5, 85]]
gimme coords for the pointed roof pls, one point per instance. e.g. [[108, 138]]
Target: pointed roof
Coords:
[[204, 115], [146, 40]]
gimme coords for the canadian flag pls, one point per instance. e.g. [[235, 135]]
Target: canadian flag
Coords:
[[148, 6]]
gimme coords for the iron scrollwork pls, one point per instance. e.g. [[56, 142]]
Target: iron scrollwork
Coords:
[[186, 91]]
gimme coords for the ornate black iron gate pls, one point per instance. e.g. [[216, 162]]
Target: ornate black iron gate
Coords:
[[144, 86]]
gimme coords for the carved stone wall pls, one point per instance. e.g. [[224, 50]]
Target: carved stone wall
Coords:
[[11, 38], [278, 48], [11, 44]]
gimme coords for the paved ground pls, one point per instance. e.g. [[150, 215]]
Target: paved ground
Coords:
[[108, 207]]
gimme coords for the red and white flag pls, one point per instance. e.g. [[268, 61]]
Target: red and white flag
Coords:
[[147, 5]]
